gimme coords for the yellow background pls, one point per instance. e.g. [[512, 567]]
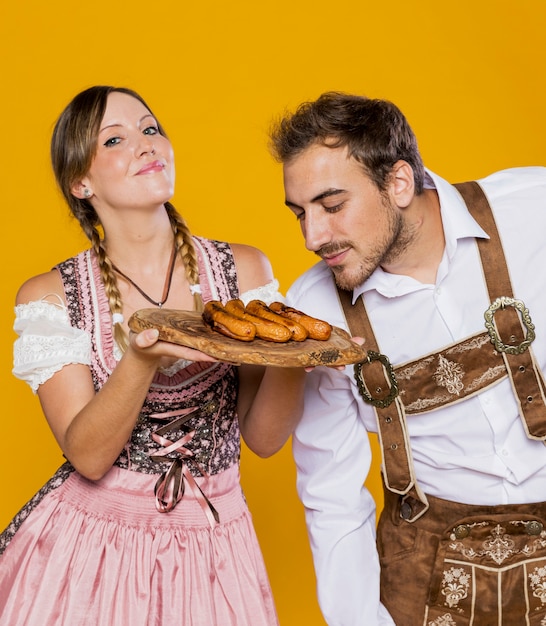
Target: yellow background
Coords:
[[468, 74]]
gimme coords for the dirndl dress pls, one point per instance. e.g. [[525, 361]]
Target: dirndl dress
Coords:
[[165, 537]]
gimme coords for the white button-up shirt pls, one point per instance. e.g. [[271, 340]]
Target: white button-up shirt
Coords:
[[475, 451]]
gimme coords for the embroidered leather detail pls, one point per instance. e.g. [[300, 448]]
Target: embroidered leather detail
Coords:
[[455, 585], [449, 374], [427, 404], [490, 375], [537, 580], [499, 545], [443, 620]]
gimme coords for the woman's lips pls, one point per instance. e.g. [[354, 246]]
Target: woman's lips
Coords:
[[154, 166]]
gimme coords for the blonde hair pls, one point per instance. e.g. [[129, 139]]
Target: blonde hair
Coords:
[[73, 147]]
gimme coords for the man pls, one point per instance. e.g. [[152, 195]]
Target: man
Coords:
[[453, 382]]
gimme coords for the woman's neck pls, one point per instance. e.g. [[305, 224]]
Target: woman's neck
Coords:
[[139, 242]]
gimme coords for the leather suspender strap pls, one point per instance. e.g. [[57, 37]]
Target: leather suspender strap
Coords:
[[504, 323], [378, 383], [380, 387]]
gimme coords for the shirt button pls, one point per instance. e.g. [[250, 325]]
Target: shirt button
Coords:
[[505, 452]]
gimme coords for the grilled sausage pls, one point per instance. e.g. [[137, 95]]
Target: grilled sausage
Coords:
[[259, 308], [265, 329], [318, 329], [219, 319]]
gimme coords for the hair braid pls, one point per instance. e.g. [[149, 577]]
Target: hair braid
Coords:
[[73, 147], [184, 244], [110, 287]]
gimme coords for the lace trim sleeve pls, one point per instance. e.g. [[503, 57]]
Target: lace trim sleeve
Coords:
[[46, 342], [267, 293]]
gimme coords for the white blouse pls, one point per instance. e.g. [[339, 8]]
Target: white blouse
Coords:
[[47, 342]]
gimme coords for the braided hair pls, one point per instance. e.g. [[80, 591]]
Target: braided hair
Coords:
[[73, 147]]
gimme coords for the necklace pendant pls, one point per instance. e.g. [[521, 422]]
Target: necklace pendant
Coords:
[[166, 288]]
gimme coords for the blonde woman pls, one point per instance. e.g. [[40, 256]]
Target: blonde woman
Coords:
[[145, 524]]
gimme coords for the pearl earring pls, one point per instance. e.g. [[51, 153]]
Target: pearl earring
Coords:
[[87, 193]]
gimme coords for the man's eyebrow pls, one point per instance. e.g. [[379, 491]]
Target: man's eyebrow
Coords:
[[325, 194]]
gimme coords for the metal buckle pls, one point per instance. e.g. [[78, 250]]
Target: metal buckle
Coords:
[[501, 303], [385, 402]]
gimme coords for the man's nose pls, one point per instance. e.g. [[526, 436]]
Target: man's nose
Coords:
[[316, 231]]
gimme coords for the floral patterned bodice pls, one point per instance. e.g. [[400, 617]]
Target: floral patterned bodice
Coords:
[[207, 439]]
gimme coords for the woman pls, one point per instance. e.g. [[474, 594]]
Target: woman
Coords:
[[138, 420]]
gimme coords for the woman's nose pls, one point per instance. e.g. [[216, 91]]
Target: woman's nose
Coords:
[[145, 145]]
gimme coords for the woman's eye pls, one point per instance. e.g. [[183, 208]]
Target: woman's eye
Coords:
[[151, 130], [333, 209], [112, 141]]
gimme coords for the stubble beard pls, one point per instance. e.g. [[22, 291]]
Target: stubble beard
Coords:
[[385, 252]]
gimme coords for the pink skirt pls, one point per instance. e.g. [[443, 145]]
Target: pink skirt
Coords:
[[101, 554]]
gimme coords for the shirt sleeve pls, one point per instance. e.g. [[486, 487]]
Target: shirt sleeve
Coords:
[[46, 342], [267, 293], [333, 455]]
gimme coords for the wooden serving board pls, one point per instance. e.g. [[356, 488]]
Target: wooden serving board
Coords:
[[188, 329]]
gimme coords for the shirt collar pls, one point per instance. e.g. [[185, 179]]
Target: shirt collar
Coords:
[[458, 224]]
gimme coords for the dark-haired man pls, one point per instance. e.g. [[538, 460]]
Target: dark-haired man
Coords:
[[445, 283]]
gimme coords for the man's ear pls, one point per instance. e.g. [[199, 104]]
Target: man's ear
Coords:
[[402, 184]]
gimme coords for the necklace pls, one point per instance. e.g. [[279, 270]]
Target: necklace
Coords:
[[166, 288]]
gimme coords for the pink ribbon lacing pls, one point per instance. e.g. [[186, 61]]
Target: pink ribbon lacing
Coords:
[[169, 488]]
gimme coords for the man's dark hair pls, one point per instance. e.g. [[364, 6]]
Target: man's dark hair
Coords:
[[375, 132]]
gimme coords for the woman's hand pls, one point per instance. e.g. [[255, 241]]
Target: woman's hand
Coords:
[[147, 345]]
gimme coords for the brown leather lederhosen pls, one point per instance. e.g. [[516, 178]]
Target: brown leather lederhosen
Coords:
[[445, 563]]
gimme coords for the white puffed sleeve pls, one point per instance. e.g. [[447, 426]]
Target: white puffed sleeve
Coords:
[[46, 343], [267, 293]]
